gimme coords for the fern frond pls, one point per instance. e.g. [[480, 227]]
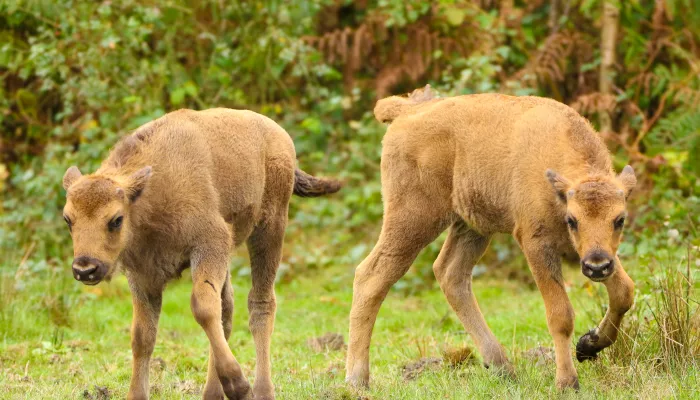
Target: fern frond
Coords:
[[680, 128]]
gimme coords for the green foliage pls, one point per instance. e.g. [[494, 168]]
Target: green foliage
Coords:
[[75, 76]]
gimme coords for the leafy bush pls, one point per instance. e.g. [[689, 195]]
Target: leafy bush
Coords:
[[75, 76]]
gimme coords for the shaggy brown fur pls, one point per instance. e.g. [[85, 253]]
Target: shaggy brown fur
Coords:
[[183, 191], [483, 164]]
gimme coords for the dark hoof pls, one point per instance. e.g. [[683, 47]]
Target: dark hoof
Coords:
[[587, 347]]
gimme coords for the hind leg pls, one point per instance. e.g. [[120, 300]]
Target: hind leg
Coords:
[[405, 232], [209, 277], [213, 389], [453, 270], [265, 248]]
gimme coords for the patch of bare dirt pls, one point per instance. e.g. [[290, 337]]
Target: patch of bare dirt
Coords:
[[412, 370], [98, 393], [452, 358]]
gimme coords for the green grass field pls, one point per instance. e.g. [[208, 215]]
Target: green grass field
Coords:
[[91, 352]]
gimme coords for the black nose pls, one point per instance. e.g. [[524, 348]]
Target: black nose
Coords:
[[597, 265], [88, 269]]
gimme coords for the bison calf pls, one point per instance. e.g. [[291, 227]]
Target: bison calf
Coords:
[[183, 191], [484, 164]]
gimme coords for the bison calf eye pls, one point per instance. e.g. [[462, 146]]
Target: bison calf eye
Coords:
[[619, 223], [573, 224], [115, 223]]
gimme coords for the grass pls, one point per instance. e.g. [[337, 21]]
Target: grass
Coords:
[[74, 346]]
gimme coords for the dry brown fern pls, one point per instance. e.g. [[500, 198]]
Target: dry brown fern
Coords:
[[392, 54], [687, 96], [595, 102], [550, 62]]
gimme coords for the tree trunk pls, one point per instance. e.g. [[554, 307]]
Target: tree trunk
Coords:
[[608, 42], [553, 16]]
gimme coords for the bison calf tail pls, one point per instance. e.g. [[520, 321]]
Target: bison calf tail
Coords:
[[306, 185], [388, 109]]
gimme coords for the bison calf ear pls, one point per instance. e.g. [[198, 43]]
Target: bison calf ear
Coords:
[[138, 182], [72, 174], [559, 183], [628, 179]]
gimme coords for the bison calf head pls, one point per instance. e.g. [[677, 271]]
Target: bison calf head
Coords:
[[97, 214], [595, 214]]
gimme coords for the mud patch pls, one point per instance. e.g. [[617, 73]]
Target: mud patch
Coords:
[[412, 370], [452, 358], [98, 393], [329, 341]]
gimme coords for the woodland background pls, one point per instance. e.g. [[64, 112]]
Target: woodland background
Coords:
[[75, 76]]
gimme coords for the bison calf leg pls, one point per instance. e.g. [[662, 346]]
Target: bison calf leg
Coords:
[[265, 248], [546, 268], [143, 338], [209, 280], [453, 270], [213, 388], [405, 232], [621, 297]]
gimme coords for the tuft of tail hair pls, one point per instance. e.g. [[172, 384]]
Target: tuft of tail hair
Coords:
[[306, 185], [390, 108]]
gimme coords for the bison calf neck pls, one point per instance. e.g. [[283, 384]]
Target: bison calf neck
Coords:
[[183, 191], [484, 164]]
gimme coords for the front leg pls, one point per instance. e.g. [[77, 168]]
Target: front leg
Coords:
[[545, 265], [209, 275], [621, 297], [143, 337]]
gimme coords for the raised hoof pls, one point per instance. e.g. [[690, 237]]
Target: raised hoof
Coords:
[[587, 347], [568, 383]]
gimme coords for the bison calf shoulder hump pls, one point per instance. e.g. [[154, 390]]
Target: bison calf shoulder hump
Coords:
[[484, 164], [181, 191]]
